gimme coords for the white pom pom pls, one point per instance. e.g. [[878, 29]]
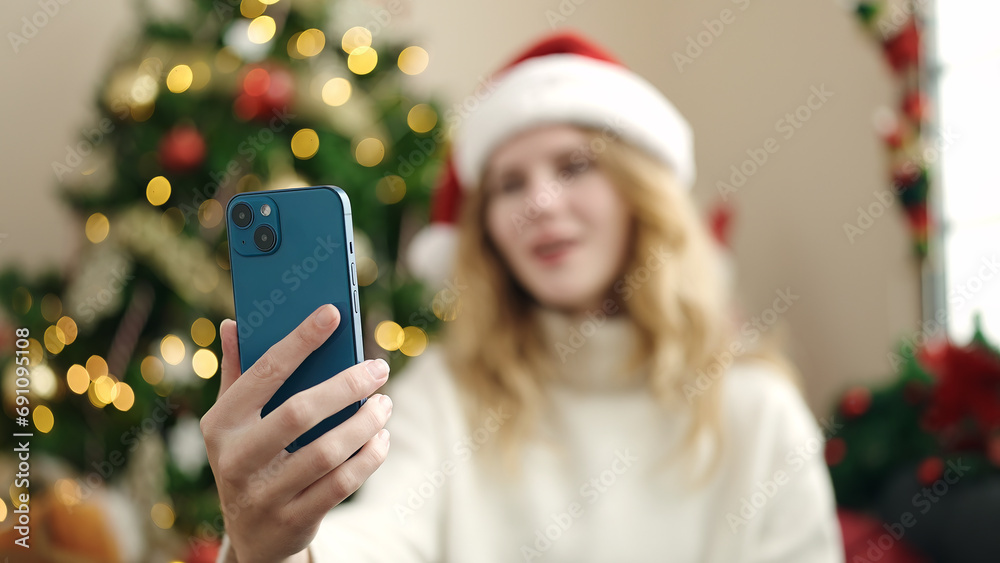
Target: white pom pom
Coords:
[[431, 255]]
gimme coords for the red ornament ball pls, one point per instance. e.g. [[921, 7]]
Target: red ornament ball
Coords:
[[182, 149], [836, 451], [856, 402], [930, 470], [265, 90]]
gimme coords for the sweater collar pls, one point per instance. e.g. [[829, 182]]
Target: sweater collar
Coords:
[[591, 351]]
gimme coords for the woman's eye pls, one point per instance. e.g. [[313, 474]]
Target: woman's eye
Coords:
[[510, 186], [574, 168]]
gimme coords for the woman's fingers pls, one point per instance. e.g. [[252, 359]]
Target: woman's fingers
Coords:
[[330, 490], [310, 463], [251, 391], [311, 406], [230, 355]]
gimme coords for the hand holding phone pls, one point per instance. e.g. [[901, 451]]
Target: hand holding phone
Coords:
[[273, 501]]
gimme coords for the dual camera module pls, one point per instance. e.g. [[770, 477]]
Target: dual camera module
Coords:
[[263, 236]]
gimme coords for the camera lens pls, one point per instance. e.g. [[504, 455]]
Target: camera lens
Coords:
[[263, 237], [242, 215]]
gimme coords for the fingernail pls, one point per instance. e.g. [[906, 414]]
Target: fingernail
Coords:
[[383, 435], [386, 402], [325, 317], [378, 369]]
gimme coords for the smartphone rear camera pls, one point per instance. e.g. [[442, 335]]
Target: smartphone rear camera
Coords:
[[242, 216], [263, 237]]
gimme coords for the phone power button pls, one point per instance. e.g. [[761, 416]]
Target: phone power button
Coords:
[[357, 305], [354, 275]]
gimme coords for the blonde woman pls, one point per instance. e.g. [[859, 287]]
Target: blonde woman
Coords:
[[591, 400]]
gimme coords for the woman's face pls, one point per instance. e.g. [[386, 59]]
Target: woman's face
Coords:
[[560, 225]]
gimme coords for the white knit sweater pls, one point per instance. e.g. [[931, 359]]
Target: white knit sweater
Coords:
[[596, 489]]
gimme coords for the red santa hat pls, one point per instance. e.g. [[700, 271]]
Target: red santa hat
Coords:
[[564, 78]]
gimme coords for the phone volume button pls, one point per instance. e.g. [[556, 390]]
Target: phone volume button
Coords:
[[357, 305], [354, 275]]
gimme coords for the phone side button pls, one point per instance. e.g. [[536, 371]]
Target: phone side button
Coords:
[[357, 305], [354, 275]]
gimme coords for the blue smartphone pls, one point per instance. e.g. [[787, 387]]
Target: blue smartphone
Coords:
[[291, 251]]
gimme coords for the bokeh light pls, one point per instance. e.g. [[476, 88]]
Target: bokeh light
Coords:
[[336, 91], [97, 228], [413, 60], [369, 152], [305, 143], [362, 60], [158, 190]]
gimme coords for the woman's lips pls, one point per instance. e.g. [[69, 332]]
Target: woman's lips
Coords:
[[553, 252]]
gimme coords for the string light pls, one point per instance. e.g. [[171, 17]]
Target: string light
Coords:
[[210, 213], [310, 42], [77, 379], [389, 335], [205, 363], [203, 332], [261, 29], [162, 515], [390, 189], [124, 397], [305, 143], [43, 419], [179, 79], [252, 8], [369, 152], [336, 91], [69, 330], [152, 370], [367, 271], [158, 190], [413, 60], [97, 228], [54, 339], [96, 367], [362, 60], [421, 118], [172, 349], [51, 307], [354, 38], [105, 389], [414, 341]]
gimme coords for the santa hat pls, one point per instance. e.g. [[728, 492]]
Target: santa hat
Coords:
[[564, 78]]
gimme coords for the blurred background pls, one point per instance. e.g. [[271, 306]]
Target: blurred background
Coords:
[[841, 150]]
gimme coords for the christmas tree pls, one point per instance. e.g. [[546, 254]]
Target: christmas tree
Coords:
[[122, 345]]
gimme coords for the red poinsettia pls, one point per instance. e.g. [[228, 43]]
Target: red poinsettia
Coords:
[[964, 406]]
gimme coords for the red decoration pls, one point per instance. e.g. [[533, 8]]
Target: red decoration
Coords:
[[203, 551], [903, 49], [721, 223], [967, 390], [856, 402], [993, 450], [182, 149], [265, 89], [836, 450], [915, 106], [930, 470]]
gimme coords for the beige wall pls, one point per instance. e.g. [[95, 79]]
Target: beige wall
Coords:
[[855, 299]]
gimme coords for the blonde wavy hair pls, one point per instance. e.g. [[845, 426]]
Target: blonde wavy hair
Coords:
[[499, 354]]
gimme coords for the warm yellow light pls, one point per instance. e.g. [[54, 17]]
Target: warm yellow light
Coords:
[[413, 60], [106, 389], [68, 327], [390, 189], [152, 370], [179, 79], [3, 510], [210, 213], [367, 271], [268, 2], [124, 397], [51, 307], [336, 91], [261, 29], [293, 46], [35, 352], [97, 228], [43, 381], [414, 341], [362, 60], [421, 118], [203, 332], [94, 399], [158, 190], [305, 143], [389, 335], [205, 363], [310, 42], [96, 367], [354, 38], [54, 339], [201, 75], [172, 221], [42, 416], [252, 8], [369, 152], [172, 349], [77, 379], [162, 515]]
